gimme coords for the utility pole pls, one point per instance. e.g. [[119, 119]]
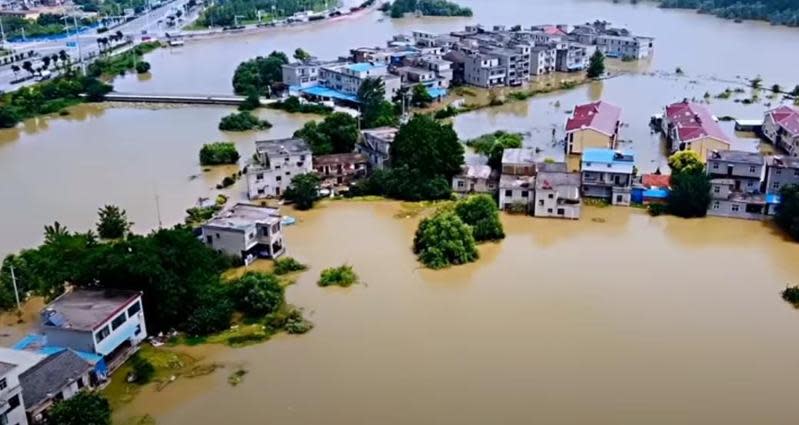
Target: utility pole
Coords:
[[77, 40], [16, 291], [2, 31]]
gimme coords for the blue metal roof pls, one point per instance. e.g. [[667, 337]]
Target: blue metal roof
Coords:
[[331, 93], [361, 67], [436, 92], [601, 155], [656, 193]]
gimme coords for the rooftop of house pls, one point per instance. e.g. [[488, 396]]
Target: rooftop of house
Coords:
[[13, 358], [282, 147], [600, 116], [507, 181], [557, 180], [740, 157], [656, 180], [339, 158], [84, 309], [242, 216], [552, 167], [694, 121], [49, 376], [384, 133], [518, 156], [786, 117], [783, 162], [602, 160], [477, 171], [362, 67]]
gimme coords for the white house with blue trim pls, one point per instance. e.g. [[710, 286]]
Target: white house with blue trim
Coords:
[[607, 175]]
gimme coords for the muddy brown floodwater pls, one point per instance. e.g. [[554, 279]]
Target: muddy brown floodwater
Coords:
[[628, 321]]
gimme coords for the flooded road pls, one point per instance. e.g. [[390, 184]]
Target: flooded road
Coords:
[[630, 321]]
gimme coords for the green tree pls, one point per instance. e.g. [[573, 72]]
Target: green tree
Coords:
[[686, 162], [141, 369], [242, 121], [113, 222], [303, 191], [420, 96], [690, 194], [219, 153], [9, 117], [482, 214], [493, 145], [259, 75], [431, 148], [376, 111], [301, 55], [443, 240], [84, 408], [251, 102], [337, 133], [142, 67], [258, 294], [787, 215], [596, 65]]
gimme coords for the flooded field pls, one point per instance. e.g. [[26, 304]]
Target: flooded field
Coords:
[[617, 318]]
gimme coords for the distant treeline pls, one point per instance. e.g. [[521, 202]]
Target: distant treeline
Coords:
[[428, 8], [223, 12], [778, 12]]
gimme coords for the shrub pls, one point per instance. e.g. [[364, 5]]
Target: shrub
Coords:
[[85, 408], [142, 67], [342, 276], [481, 213], [219, 153], [303, 191], [242, 121], [791, 295], [287, 265], [444, 239], [656, 209], [258, 294], [142, 370]]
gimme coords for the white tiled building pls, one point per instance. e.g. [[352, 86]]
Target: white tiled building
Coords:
[[276, 163]]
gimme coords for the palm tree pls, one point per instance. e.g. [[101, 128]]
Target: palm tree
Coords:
[[54, 231], [46, 62], [28, 66], [15, 69], [54, 59], [63, 56]]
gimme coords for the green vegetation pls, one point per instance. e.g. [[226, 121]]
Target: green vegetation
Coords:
[[342, 276], [301, 55], [596, 65], [420, 96], [236, 377], [293, 105], [791, 295], [113, 222], [111, 7], [303, 191], [443, 240], [46, 24], [690, 186], [261, 75], [142, 67], [337, 133], [196, 216], [218, 153], [224, 13], [49, 97], [112, 66], [288, 265], [85, 408], [482, 215], [428, 8], [142, 371], [494, 144], [376, 111], [258, 294], [779, 12], [787, 216], [242, 121], [251, 102]]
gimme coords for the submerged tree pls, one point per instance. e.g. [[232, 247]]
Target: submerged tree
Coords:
[[482, 214], [596, 65], [303, 191], [443, 240]]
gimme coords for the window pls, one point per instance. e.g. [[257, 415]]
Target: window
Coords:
[[13, 402], [561, 211], [509, 193], [288, 173], [133, 309], [217, 236], [549, 210], [796, 173], [619, 199], [3, 384], [551, 196], [716, 189], [102, 334], [259, 176], [278, 178], [524, 194], [209, 240], [118, 321], [779, 172], [752, 169], [80, 382], [261, 191], [775, 185], [735, 208], [138, 330], [541, 202], [460, 184], [715, 165]]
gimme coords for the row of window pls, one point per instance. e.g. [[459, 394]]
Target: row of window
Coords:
[[117, 322]]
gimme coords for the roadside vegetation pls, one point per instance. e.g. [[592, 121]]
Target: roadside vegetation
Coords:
[[120, 64], [337, 133], [225, 14], [343, 276], [399, 8], [294, 105], [219, 153], [261, 75], [243, 121], [46, 24]]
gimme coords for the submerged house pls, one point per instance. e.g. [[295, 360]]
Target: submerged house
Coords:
[[275, 163], [607, 175], [475, 179], [736, 178], [57, 377], [593, 125], [781, 128], [653, 189], [691, 126], [246, 231], [557, 194]]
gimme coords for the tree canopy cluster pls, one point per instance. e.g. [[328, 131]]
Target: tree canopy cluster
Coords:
[[224, 13], [337, 133], [84, 408], [779, 12], [596, 65], [293, 105], [303, 191], [376, 111], [690, 186], [787, 216], [494, 144], [425, 155], [242, 121], [218, 153], [259, 75], [428, 8]]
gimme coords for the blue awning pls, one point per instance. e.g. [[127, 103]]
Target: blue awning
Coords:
[[436, 92], [772, 198], [326, 92], [656, 193]]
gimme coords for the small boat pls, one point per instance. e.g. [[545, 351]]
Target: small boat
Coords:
[[287, 220]]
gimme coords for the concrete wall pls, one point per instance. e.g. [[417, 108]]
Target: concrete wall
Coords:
[[776, 178], [272, 182], [587, 138], [704, 147], [546, 205], [226, 241], [15, 415], [74, 339], [509, 197], [732, 209], [464, 185]]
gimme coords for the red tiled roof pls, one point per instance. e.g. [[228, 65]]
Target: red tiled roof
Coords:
[[656, 180], [786, 117], [600, 116], [553, 30], [694, 121]]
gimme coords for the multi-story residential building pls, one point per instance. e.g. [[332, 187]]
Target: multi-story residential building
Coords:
[[625, 46], [780, 172], [691, 126], [340, 169], [542, 59], [515, 59], [571, 57], [735, 184], [781, 128], [517, 182], [347, 78], [483, 70], [557, 194], [57, 377], [475, 179], [593, 125], [376, 145], [745, 169], [247, 232], [276, 162], [109, 323], [301, 74], [14, 363], [608, 175]]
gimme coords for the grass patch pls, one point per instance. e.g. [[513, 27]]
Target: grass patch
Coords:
[[342, 276]]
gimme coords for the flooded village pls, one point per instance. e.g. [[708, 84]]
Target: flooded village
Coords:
[[599, 303]]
